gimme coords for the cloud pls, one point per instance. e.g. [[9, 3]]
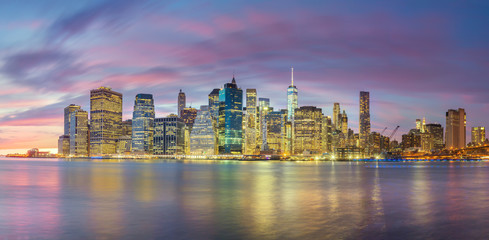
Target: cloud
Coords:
[[109, 16], [44, 69]]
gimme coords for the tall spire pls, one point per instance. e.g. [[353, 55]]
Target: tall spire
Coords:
[[292, 74]]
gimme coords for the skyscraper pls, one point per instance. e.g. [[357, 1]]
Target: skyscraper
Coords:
[[169, 137], [364, 123], [230, 119], [308, 126], [105, 120], [181, 102], [64, 145], [478, 135], [455, 129], [143, 124], [202, 134], [336, 116], [276, 131], [71, 108], [79, 133], [344, 124], [436, 130], [291, 98], [214, 111], [264, 105], [188, 115], [251, 115]]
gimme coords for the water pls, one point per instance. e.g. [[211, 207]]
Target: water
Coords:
[[51, 199]]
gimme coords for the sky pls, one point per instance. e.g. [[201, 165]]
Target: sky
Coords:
[[416, 58]]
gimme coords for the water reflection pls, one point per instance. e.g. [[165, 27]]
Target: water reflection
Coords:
[[251, 200]]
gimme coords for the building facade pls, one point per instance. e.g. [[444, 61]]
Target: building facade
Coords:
[[79, 138], [169, 136], [202, 134], [251, 122], [455, 130], [364, 121], [181, 102], [478, 136], [292, 98], [276, 134], [143, 124], [105, 120], [308, 126], [230, 119]]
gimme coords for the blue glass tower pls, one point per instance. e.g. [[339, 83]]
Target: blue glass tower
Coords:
[[143, 124], [230, 127]]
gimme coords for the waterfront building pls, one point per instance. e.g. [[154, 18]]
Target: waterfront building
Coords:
[[127, 128], [214, 111], [264, 106], [478, 136], [344, 124], [251, 122], [230, 125], [105, 120], [326, 134], [169, 136], [364, 123], [64, 145], [79, 138], [374, 141], [455, 130], [292, 98], [202, 134], [181, 102], [436, 130], [307, 130], [427, 141], [275, 122], [143, 124], [412, 140], [188, 115], [67, 111], [336, 116]]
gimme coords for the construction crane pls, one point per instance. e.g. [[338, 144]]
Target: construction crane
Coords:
[[393, 133], [383, 131]]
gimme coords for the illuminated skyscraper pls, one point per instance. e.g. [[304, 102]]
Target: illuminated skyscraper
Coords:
[[336, 116], [79, 133], [364, 123], [264, 105], [455, 128], [251, 115], [64, 145], [276, 131], [308, 125], [188, 115], [214, 111], [230, 119], [436, 130], [326, 134], [181, 102], [344, 124], [202, 134], [143, 124], [478, 135], [68, 110], [291, 98], [169, 137], [105, 120]]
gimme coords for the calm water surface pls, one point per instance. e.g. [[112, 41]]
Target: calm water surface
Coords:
[[56, 199]]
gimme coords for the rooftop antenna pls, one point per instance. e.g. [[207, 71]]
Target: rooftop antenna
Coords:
[[292, 74]]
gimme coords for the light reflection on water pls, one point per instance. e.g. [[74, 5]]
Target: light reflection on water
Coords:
[[251, 200]]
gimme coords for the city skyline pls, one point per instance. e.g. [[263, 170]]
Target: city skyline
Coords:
[[47, 64]]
